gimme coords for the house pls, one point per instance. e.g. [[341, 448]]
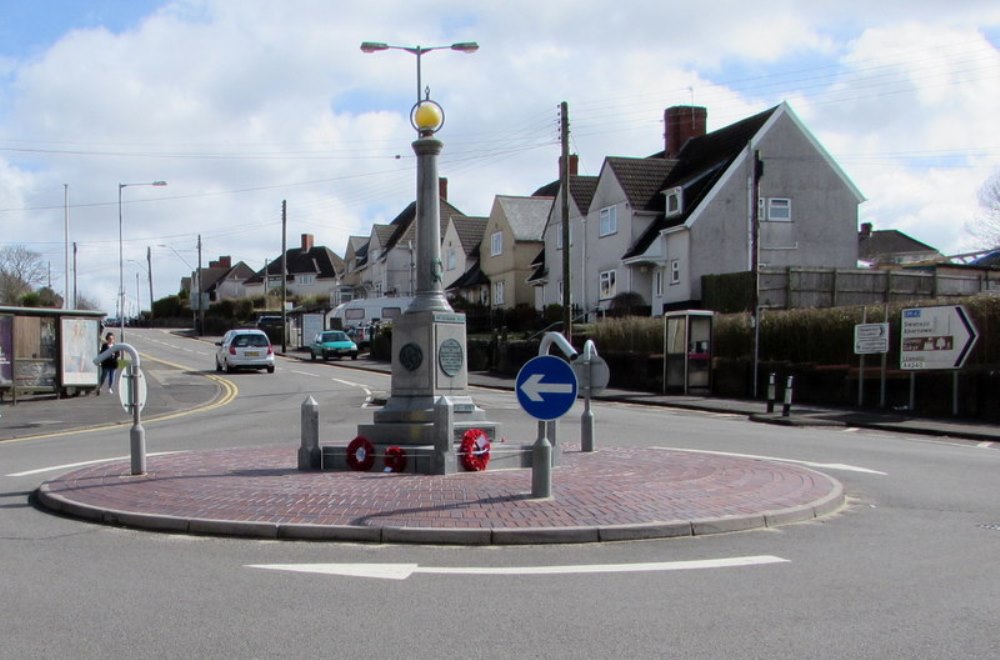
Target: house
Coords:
[[460, 244], [312, 271], [891, 248], [654, 226], [388, 267], [354, 257], [224, 281], [511, 240]]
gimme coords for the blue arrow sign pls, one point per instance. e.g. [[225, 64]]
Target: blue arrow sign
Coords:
[[546, 387]]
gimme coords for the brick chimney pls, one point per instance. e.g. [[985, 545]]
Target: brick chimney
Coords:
[[866, 229], [680, 124], [223, 262], [443, 188], [574, 164], [307, 242]]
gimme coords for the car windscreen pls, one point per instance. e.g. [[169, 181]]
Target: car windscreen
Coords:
[[335, 336]]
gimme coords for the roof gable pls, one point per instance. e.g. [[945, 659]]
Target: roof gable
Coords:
[[526, 216]]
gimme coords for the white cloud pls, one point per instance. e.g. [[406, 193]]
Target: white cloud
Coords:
[[239, 105]]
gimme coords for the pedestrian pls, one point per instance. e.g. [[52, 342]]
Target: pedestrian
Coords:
[[109, 365]]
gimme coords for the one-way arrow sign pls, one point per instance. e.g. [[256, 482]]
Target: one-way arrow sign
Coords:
[[936, 337], [546, 387]]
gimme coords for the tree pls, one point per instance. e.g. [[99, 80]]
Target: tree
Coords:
[[20, 271], [986, 228], [44, 297]]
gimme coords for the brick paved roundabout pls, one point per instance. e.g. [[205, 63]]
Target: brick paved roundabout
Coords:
[[608, 495]]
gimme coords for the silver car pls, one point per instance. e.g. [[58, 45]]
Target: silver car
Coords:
[[244, 349]]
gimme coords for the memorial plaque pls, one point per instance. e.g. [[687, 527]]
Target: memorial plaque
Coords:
[[411, 357], [451, 357]]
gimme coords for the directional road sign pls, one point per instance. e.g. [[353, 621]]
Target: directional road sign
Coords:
[[546, 387], [936, 338], [871, 338], [593, 373], [125, 385]]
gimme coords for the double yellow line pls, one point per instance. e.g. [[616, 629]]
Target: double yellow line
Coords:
[[227, 388]]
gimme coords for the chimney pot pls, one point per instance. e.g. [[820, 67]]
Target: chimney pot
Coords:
[[307, 242], [443, 188], [866, 229], [681, 123]]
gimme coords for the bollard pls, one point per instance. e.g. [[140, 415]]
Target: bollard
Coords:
[[310, 456], [770, 393], [541, 465], [444, 437], [786, 407]]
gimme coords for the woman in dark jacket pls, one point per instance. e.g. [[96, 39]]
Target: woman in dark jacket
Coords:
[[109, 365]]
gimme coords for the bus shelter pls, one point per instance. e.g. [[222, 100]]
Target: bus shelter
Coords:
[[48, 351]]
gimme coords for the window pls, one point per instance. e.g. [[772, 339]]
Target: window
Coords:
[[608, 288], [658, 283], [498, 293], [779, 209], [559, 236], [484, 295], [609, 220], [675, 271], [496, 243], [675, 201], [306, 279], [449, 259]]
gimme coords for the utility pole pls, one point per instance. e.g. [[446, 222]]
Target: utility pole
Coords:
[[74, 274], [66, 303], [149, 269], [756, 173], [564, 186], [201, 300], [284, 273]]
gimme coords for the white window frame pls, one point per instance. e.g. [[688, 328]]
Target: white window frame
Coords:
[[449, 259], [496, 244], [559, 236], [498, 293], [608, 221], [677, 196], [675, 271], [607, 286], [779, 209]]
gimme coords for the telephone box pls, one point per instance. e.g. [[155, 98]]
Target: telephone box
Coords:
[[687, 351]]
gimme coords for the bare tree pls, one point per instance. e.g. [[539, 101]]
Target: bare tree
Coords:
[[20, 271], [986, 228]]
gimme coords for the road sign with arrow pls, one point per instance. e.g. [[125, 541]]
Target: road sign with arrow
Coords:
[[546, 387], [936, 337]]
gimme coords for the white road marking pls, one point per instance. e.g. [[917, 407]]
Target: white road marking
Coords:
[[303, 373], [70, 466], [403, 571], [986, 444], [825, 466]]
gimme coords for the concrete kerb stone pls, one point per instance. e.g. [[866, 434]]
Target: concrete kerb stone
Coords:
[[727, 524], [339, 533], [645, 531], [437, 535]]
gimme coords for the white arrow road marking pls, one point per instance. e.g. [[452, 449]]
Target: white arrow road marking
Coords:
[[533, 388], [403, 571], [70, 466], [826, 466]]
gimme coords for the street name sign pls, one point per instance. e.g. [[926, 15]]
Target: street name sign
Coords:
[[871, 338], [546, 387], [936, 337]]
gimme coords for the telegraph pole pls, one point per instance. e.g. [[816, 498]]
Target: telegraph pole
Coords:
[[201, 301], [284, 272], [564, 210], [756, 174], [149, 269]]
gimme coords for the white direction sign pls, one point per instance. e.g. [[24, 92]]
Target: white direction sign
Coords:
[[125, 385], [936, 338], [871, 338]]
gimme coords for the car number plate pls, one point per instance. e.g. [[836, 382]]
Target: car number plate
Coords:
[[253, 353]]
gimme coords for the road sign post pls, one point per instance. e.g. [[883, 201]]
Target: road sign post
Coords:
[[936, 338], [132, 393]]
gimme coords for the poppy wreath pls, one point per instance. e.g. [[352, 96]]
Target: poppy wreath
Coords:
[[395, 459], [475, 450], [360, 454]]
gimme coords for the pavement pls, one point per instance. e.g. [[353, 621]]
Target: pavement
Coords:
[[260, 493]]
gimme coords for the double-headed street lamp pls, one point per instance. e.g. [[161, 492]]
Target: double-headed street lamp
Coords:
[[462, 47], [121, 255]]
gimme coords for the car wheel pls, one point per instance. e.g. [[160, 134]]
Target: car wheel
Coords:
[[354, 356], [229, 368], [218, 367], [312, 356], [270, 370]]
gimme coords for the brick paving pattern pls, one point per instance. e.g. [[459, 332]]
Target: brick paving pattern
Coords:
[[611, 487]]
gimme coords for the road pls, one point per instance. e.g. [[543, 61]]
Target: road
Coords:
[[909, 569]]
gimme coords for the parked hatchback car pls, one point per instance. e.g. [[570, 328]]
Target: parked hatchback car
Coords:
[[244, 349], [333, 343]]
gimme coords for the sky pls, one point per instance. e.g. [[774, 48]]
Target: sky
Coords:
[[240, 105]]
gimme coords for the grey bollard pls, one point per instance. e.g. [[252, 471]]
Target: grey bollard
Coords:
[[310, 456], [771, 393], [786, 407], [541, 465], [444, 434]]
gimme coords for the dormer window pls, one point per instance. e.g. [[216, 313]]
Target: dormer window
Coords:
[[675, 201]]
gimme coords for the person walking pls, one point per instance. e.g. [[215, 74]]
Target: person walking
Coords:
[[108, 366]]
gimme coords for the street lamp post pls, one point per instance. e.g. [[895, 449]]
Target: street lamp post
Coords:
[[462, 47], [121, 255]]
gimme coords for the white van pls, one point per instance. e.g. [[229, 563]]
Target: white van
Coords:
[[361, 314]]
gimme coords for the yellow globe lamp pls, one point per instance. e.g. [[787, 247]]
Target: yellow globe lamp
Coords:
[[427, 117]]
